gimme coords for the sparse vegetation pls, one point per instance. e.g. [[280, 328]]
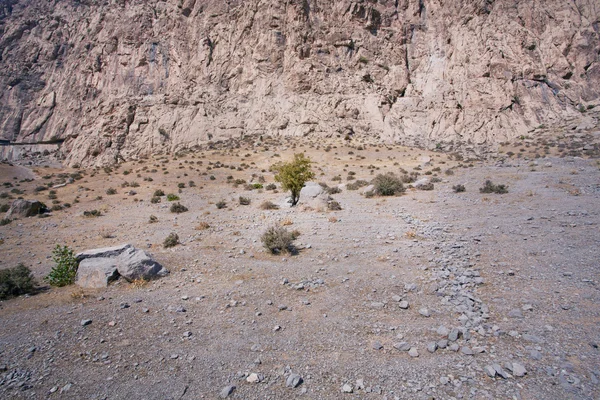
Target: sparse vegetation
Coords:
[[490, 187], [5, 221], [110, 191], [387, 184], [171, 241], [459, 188], [92, 213], [172, 197], [64, 272], [16, 281], [178, 208], [158, 193], [152, 219], [294, 174], [269, 205], [277, 239], [221, 204], [244, 201], [334, 206], [155, 200]]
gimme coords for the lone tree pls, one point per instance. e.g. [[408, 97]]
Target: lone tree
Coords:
[[294, 174]]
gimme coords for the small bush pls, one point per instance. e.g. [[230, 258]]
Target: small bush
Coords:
[[5, 221], [357, 184], [155, 200], [64, 272], [269, 205], [178, 208], [56, 207], [202, 226], [212, 177], [92, 213], [152, 219], [277, 239], [271, 186], [334, 206], [426, 186], [171, 241], [257, 186], [172, 197], [490, 187], [387, 185], [459, 188], [181, 185], [158, 193], [244, 201], [221, 204], [110, 191], [4, 208], [134, 184], [15, 282], [40, 189]]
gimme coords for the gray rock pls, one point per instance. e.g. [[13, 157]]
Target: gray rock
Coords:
[[443, 331], [226, 391], [490, 371], [432, 347], [293, 381], [535, 354], [532, 338], [347, 388], [25, 208], [516, 313], [403, 304], [453, 335], [454, 347], [424, 312], [442, 344], [98, 267], [402, 346], [311, 189], [85, 322], [467, 351], [377, 346], [500, 371], [413, 352], [518, 369]]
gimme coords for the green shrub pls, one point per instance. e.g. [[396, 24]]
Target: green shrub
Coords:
[[277, 239], [257, 186], [181, 185], [221, 204], [459, 188], [171, 241], [4, 208], [244, 201], [172, 197], [158, 193], [155, 200], [490, 187], [294, 174], [357, 184], [64, 272], [5, 221], [16, 281], [111, 191], [271, 186], [387, 184], [134, 184], [178, 208]]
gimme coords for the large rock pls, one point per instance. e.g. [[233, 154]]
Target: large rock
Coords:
[[163, 75], [98, 267], [25, 208], [311, 190]]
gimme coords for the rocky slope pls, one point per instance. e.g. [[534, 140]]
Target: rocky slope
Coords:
[[119, 79]]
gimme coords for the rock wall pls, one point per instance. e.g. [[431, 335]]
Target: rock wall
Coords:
[[119, 79]]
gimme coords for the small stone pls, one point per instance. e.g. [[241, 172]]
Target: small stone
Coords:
[[85, 322], [532, 338], [444, 380], [112, 323], [453, 335], [396, 298], [516, 313], [402, 346], [518, 369], [413, 352], [185, 297], [145, 310], [442, 344], [442, 331], [527, 307], [347, 388], [174, 356], [124, 305], [424, 312], [294, 380], [377, 346], [535, 354], [187, 334], [432, 347], [454, 347], [467, 351], [490, 371], [479, 349], [403, 304], [276, 328], [500, 371], [253, 378], [226, 391]]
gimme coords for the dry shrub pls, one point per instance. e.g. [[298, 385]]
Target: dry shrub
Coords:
[[333, 219], [277, 239], [269, 205], [202, 226], [138, 283], [286, 222]]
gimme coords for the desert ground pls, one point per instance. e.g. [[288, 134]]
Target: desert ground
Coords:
[[432, 294]]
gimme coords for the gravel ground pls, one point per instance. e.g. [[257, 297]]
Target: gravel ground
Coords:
[[502, 290]]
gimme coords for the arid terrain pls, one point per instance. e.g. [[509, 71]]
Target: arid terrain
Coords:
[[466, 281]]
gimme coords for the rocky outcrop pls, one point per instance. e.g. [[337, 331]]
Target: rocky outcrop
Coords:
[[122, 79], [98, 267], [25, 208]]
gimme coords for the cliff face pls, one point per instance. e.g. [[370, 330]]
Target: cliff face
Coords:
[[119, 79]]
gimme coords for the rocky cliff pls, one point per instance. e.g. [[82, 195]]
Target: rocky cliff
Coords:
[[118, 79]]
